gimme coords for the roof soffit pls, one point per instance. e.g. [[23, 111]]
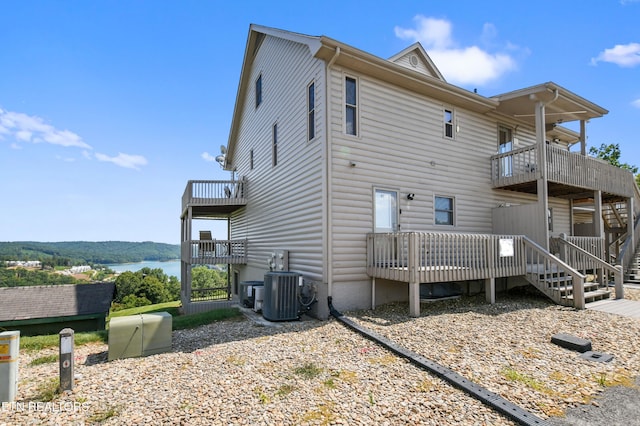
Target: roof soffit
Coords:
[[567, 107], [418, 82]]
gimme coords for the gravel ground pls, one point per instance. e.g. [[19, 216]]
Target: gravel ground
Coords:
[[240, 372]]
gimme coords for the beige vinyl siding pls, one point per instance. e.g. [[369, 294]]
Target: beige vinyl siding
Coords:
[[284, 208], [405, 61], [401, 147]]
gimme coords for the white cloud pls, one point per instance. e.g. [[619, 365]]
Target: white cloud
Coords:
[[461, 65], [124, 160], [207, 157], [624, 55], [636, 103], [26, 128]]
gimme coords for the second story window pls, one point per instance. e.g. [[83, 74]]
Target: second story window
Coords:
[[311, 111], [259, 91], [275, 144], [448, 123], [351, 105], [251, 160]]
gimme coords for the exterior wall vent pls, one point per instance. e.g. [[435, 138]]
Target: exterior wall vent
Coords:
[[281, 290], [413, 60]]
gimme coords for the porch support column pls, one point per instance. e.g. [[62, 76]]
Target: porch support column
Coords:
[[571, 220], [490, 290], [631, 221], [598, 223], [542, 189], [583, 137]]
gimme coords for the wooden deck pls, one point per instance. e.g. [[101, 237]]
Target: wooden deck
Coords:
[[623, 307]]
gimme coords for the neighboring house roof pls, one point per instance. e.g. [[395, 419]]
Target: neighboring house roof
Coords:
[[31, 302]]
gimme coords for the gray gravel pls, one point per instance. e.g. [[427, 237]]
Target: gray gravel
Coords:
[[310, 372], [616, 406]]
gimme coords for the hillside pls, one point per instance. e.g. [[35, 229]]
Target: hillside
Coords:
[[102, 252]]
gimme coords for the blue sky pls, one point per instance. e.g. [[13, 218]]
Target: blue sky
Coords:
[[108, 108]]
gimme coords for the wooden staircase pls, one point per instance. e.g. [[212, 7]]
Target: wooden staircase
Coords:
[[632, 274], [559, 286]]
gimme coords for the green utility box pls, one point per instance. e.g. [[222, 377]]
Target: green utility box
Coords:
[[140, 335]]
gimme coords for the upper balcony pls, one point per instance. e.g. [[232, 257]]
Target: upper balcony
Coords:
[[213, 198], [570, 175]]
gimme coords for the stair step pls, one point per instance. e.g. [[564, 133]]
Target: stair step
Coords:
[[591, 296]]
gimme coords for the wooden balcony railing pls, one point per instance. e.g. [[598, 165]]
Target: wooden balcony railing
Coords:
[[563, 167], [214, 252], [214, 192]]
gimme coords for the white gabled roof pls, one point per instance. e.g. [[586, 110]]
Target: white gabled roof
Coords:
[[416, 58]]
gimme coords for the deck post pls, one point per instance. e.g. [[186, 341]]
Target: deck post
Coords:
[[490, 290], [373, 293], [619, 282], [414, 299], [414, 284], [578, 292]]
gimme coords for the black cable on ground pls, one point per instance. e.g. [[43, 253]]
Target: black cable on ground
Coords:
[[478, 392]]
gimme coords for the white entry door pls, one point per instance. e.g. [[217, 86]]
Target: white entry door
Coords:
[[386, 210]]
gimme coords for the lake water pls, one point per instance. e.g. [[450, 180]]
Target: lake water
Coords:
[[170, 267]]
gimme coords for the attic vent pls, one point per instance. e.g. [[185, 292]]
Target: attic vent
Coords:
[[413, 60]]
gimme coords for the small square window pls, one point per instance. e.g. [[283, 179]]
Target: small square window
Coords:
[[444, 210]]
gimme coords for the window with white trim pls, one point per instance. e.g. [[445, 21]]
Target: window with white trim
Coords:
[[444, 210], [258, 90], [449, 119], [351, 106], [311, 111], [275, 144]]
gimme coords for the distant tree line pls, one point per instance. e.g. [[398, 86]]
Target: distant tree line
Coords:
[[84, 252]]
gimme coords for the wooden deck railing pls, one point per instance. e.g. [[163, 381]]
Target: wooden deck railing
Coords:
[[423, 257], [593, 245], [564, 167], [214, 192], [628, 250], [213, 252], [589, 264]]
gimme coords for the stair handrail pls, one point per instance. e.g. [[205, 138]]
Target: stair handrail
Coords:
[[577, 278], [629, 247], [616, 270]]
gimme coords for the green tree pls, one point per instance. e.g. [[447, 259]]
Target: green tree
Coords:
[[153, 290], [127, 283], [611, 154], [203, 277]]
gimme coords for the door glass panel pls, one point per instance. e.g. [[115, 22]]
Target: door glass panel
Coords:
[[505, 144], [386, 213]]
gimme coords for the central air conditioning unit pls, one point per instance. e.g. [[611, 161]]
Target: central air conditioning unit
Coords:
[[281, 290]]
